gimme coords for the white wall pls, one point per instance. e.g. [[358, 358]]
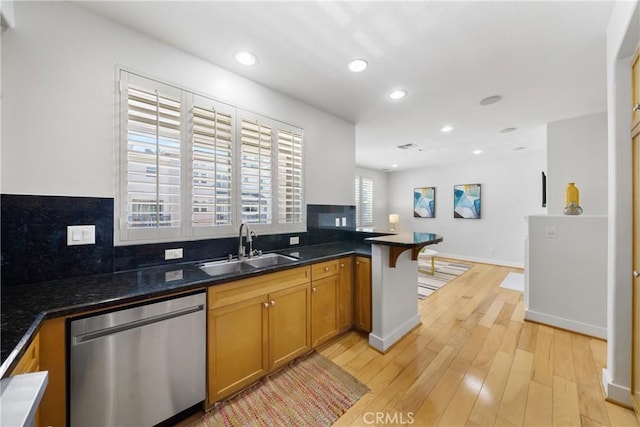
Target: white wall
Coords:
[[567, 273], [577, 152], [511, 190], [623, 37], [380, 210], [59, 105]]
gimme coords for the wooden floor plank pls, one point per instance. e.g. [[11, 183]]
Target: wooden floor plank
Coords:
[[514, 401], [461, 404], [590, 397], [563, 355], [539, 408], [543, 356], [485, 409], [565, 403]]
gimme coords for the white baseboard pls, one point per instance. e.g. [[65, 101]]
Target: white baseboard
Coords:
[[384, 343], [615, 392], [571, 325], [481, 260]]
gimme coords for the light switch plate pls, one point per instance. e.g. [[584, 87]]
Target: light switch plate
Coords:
[[81, 235]]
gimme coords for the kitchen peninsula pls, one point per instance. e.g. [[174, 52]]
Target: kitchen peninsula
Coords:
[[394, 275]]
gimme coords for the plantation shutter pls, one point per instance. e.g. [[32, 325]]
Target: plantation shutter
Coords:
[[290, 200], [255, 172], [364, 201], [153, 157], [212, 178]]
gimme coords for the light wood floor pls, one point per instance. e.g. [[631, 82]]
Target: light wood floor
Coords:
[[474, 361]]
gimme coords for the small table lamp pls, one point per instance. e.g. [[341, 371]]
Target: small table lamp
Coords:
[[393, 220]]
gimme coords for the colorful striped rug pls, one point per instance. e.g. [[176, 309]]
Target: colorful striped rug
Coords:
[[445, 272], [312, 391]]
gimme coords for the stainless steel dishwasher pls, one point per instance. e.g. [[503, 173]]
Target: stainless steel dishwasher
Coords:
[[138, 366]]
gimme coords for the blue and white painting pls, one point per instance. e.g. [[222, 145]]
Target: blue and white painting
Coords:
[[424, 202], [466, 201]]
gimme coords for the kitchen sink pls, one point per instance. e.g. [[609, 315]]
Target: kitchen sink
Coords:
[[267, 260], [217, 268]]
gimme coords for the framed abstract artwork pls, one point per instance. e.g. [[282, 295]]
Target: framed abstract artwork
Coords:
[[424, 202], [466, 201]]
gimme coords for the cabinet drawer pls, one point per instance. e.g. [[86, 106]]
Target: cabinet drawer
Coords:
[[240, 290], [325, 269]]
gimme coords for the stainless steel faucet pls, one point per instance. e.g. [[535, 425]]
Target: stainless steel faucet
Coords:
[[248, 240]]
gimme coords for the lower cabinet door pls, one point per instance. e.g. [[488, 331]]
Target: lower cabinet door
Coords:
[[324, 309], [289, 327], [237, 345], [362, 305]]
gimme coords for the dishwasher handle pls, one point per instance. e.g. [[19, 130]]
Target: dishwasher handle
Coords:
[[89, 336]]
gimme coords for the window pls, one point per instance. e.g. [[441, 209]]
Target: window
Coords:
[[192, 167], [290, 201], [212, 164], [256, 187], [364, 201]]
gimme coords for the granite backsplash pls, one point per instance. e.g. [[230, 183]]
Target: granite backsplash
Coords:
[[34, 238]]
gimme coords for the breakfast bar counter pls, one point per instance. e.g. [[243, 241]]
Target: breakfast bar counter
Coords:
[[394, 278]]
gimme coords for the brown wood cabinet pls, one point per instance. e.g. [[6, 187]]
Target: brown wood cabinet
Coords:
[[635, 90], [30, 360], [345, 294], [635, 280], [362, 294], [325, 278], [255, 326]]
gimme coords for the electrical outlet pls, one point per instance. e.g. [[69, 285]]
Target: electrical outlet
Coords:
[[295, 240], [344, 221], [173, 254], [550, 232], [337, 222], [81, 235]]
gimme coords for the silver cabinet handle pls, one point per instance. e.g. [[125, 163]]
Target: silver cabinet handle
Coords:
[[265, 305], [636, 274], [273, 302], [314, 289], [326, 269], [341, 265], [636, 107]]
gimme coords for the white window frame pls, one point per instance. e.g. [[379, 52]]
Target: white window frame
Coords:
[[359, 181], [187, 231]]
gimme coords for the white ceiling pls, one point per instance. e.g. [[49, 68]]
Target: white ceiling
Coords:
[[547, 60]]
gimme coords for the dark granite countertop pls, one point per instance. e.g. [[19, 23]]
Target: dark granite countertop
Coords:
[[24, 307], [408, 240]]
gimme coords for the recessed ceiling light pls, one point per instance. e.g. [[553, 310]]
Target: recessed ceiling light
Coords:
[[358, 65], [398, 94], [246, 58], [446, 129], [394, 165], [507, 130], [477, 152], [490, 100]]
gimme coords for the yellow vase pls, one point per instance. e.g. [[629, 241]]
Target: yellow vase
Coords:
[[572, 200], [571, 194]]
